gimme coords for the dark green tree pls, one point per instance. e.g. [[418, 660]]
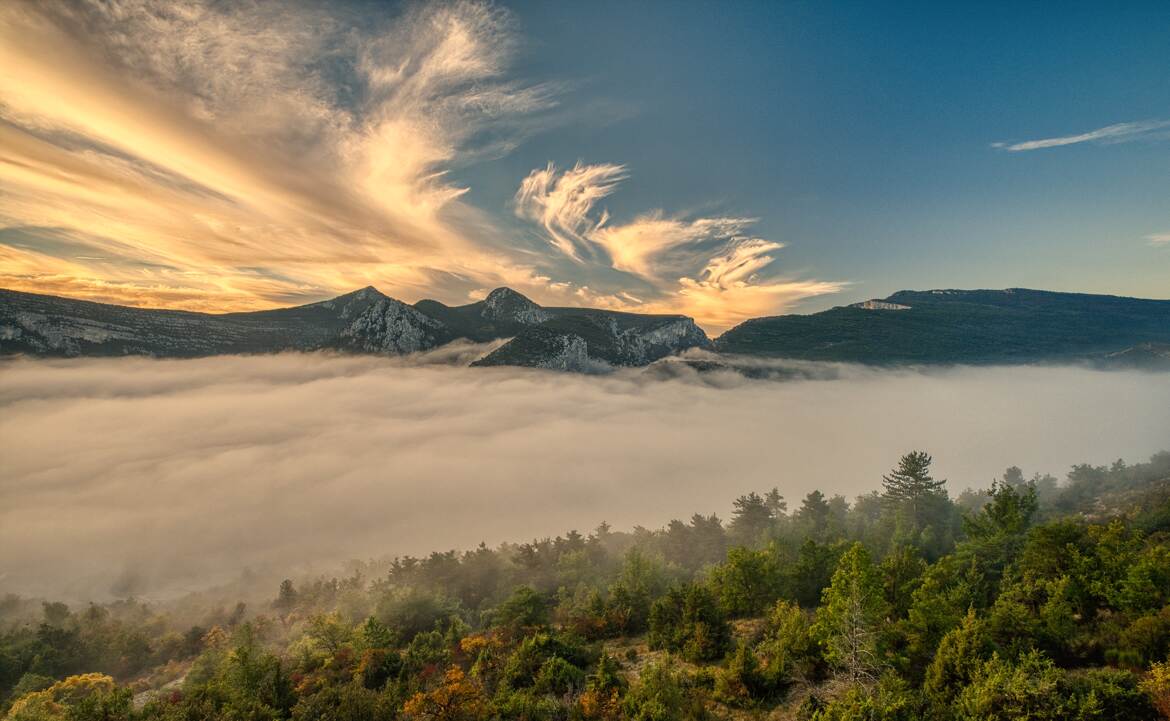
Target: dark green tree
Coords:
[[689, 621], [910, 488], [851, 611], [751, 519]]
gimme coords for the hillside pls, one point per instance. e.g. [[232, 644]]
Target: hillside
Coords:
[[962, 326], [1030, 600]]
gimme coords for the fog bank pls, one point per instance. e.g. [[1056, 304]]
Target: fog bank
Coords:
[[149, 477]]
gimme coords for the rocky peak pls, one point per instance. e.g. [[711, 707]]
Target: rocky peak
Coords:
[[391, 326], [508, 305]]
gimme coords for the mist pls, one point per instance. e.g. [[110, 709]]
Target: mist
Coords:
[[154, 477]]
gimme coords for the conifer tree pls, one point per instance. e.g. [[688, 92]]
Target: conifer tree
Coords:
[[910, 488], [851, 610]]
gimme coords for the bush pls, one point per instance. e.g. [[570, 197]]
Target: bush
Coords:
[[528, 660], [660, 695], [688, 620], [889, 700], [1035, 690], [742, 683], [558, 677]]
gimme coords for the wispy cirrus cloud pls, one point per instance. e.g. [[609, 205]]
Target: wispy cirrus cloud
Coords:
[[1117, 133], [1158, 239], [711, 268], [233, 156]]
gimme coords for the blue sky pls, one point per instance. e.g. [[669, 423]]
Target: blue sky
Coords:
[[860, 133], [724, 160]]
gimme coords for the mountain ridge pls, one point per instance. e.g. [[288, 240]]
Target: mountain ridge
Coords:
[[941, 326], [1013, 325], [362, 321]]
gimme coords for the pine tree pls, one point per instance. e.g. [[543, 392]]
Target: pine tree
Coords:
[[751, 519], [910, 487], [814, 511], [851, 610]]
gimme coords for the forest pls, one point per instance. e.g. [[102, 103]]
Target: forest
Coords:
[[1035, 598]]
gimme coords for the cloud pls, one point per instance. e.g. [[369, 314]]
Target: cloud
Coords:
[[1118, 133], [234, 156], [182, 473], [561, 203], [711, 268], [239, 156], [1158, 239]]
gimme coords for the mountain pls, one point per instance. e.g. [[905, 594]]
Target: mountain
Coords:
[[966, 326], [937, 326], [365, 321], [576, 338], [1147, 356]]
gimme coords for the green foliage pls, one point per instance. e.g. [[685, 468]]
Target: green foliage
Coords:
[[529, 659], [959, 658], [1156, 686], [815, 563], [918, 503], [890, 699], [751, 519], [689, 621], [1022, 614], [789, 650], [1033, 689], [748, 582], [850, 614], [660, 695], [407, 613], [743, 683], [375, 634], [558, 677], [525, 608]]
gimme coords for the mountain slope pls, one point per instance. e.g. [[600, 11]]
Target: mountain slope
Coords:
[[960, 326], [51, 326], [575, 338], [365, 321]]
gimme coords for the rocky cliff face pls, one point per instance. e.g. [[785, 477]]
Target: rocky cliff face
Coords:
[[365, 321], [505, 304], [391, 327], [639, 346], [606, 339]]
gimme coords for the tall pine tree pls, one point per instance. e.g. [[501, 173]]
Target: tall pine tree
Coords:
[[911, 489], [851, 612]]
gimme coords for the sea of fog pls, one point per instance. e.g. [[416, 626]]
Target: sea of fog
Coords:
[[150, 477]]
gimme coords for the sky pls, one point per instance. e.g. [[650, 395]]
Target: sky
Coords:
[[722, 160]]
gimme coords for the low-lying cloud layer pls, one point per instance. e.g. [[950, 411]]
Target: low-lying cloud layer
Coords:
[[148, 477]]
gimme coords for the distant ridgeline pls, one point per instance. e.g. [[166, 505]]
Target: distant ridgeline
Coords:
[[968, 326], [918, 327]]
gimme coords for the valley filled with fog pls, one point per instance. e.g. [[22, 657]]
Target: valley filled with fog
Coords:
[[151, 478]]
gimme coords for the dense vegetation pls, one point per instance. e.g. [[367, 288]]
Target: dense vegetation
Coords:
[[967, 326], [1030, 600]]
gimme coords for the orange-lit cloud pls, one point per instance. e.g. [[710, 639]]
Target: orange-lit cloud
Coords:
[[710, 268], [228, 157]]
